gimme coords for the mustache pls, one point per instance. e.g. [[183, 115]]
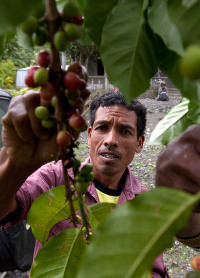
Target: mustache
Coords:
[[110, 150]]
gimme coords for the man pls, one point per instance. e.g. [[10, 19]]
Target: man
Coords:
[[115, 135]]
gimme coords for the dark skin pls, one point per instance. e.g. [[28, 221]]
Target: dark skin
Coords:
[[27, 146], [113, 143], [178, 167], [182, 165]]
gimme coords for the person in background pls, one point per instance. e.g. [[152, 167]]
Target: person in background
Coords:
[[158, 73], [116, 89], [88, 86], [163, 92]]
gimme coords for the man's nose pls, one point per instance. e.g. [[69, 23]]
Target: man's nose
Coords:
[[112, 138]]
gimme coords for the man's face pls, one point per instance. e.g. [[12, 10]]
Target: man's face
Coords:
[[113, 140]]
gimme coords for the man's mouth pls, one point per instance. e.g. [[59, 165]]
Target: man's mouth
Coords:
[[114, 154], [109, 155]]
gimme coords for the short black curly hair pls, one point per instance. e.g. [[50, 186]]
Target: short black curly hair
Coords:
[[117, 98]]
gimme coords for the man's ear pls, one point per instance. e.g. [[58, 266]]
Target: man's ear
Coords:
[[89, 134], [140, 144]]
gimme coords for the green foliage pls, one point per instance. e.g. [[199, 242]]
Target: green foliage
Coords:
[[19, 92], [68, 248], [159, 214], [47, 210], [7, 74], [15, 12], [174, 123], [153, 218], [158, 22], [20, 56], [98, 213], [81, 52], [92, 21], [133, 37]]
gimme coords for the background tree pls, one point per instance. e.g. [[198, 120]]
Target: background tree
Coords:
[[83, 53]]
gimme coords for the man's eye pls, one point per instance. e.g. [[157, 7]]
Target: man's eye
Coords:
[[101, 127], [126, 131]]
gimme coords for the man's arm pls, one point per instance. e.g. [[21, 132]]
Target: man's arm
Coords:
[[26, 146], [178, 166]]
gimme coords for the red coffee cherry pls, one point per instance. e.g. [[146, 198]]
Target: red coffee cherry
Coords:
[[72, 81], [77, 19], [29, 79], [63, 138], [47, 91], [75, 67], [85, 94], [195, 263], [77, 122], [44, 59]]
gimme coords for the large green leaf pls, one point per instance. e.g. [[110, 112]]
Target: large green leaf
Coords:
[[134, 234], [24, 39], [186, 18], [171, 66], [98, 212], [95, 14], [162, 25], [194, 112], [47, 210], [189, 3], [129, 49], [12, 13], [60, 256], [172, 125]]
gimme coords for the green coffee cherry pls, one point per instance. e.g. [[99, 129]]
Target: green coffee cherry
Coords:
[[40, 37], [87, 168], [84, 230], [42, 112], [81, 187], [71, 8], [72, 31], [41, 76], [190, 62], [78, 219], [60, 41], [48, 123], [53, 101], [89, 177], [79, 178], [76, 164], [30, 25]]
